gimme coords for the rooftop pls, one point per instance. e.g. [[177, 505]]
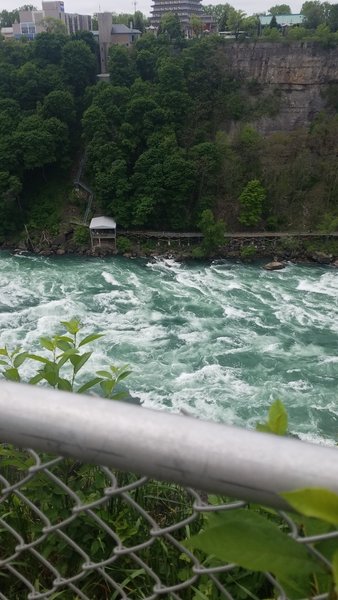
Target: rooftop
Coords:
[[296, 19], [102, 223], [121, 28]]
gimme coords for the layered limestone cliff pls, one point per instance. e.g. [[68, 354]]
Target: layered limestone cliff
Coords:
[[300, 72]]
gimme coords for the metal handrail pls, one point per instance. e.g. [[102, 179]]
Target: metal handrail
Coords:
[[208, 456]]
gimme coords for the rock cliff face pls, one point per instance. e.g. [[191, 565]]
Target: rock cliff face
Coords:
[[300, 71]]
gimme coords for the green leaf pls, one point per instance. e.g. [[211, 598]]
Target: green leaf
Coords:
[[120, 396], [277, 422], [328, 547], [64, 384], [39, 358], [90, 338], [335, 570], [62, 359], [51, 374], [314, 502], [105, 374], [310, 525], [3, 352], [3, 362], [253, 542], [12, 374], [107, 386], [123, 375], [300, 586], [62, 345], [63, 338], [278, 418], [47, 343], [36, 379], [79, 360], [19, 359], [89, 385], [72, 326], [198, 593]]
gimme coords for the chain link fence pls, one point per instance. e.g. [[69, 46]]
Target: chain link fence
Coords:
[[72, 530]]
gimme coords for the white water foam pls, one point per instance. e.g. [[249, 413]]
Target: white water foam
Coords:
[[220, 341]]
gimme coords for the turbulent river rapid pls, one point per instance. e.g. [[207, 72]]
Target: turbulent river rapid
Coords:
[[221, 341]]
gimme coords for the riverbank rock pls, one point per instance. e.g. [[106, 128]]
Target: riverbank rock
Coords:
[[335, 264], [322, 258], [275, 265]]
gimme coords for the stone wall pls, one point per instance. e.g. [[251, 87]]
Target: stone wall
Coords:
[[320, 248], [299, 70]]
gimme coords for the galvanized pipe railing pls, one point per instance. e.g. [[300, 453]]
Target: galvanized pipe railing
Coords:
[[207, 456]]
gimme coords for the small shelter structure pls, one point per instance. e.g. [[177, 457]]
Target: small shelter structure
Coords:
[[102, 231]]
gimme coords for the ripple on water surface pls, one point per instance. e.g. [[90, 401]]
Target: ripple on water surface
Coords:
[[220, 340]]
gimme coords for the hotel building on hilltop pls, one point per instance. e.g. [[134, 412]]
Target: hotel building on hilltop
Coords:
[[33, 22], [184, 9]]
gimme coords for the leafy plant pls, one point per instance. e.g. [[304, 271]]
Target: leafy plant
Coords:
[[325, 246], [314, 502], [197, 252], [329, 223], [124, 244], [253, 538], [248, 252], [255, 543], [290, 245], [61, 369], [251, 203], [258, 542], [213, 232], [272, 223], [81, 235], [148, 246]]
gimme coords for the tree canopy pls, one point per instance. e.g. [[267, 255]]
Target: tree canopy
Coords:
[[41, 87], [158, 155], [280, 9]]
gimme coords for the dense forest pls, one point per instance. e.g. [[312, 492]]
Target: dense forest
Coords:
[[42, 84], [171, 135]]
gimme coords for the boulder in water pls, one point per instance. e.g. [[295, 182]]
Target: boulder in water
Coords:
[[275, 265]]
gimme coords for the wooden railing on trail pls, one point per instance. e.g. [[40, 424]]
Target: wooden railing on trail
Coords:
[[168, 235], [177, 235]]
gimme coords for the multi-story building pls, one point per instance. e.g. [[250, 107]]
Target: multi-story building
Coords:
[[54, 10], [184, 9], [33, 22], [30, 24], [75, 22]]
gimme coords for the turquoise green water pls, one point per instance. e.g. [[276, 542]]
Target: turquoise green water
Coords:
[[221, 341]]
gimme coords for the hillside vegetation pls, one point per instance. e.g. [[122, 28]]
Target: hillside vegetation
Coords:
[[169, 136], [41, 102]]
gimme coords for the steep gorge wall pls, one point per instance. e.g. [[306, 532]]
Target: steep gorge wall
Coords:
[[300, 71]]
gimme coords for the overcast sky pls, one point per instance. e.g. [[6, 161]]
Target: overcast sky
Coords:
[[91, 6]]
